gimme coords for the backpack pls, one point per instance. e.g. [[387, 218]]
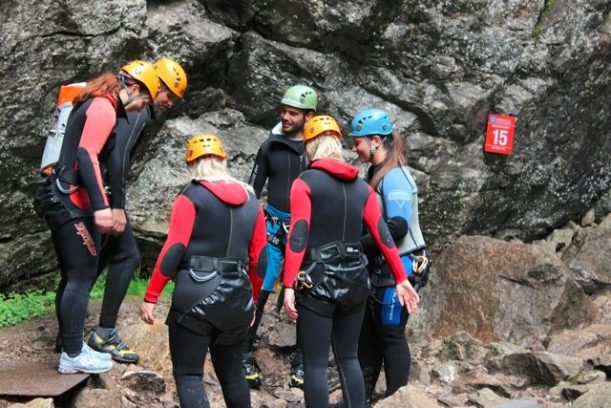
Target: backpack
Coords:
[[55, 136]]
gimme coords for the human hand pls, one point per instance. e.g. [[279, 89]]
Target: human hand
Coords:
[[119, 220], [408, 297], [289, 303], [147, 312], [104, 220]]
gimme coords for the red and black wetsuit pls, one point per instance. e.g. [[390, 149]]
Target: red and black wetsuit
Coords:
[[119, 252], [329, 205], [67, 199], [212, 224]]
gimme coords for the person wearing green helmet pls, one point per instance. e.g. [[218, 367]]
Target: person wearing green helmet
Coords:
[[279, 161]]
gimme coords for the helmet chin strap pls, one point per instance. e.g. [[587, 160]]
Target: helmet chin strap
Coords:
[[130, 96]]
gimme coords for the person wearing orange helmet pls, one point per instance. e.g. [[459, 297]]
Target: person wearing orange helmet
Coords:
[[217, 274], [325, 278], [75, 205], [120, 252]]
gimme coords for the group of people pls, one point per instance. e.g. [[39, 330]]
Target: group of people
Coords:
[[342, 252]]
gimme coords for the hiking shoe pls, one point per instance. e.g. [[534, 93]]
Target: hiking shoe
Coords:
[[252, 373], [95, 354], [83, 363], [113, 346], [297, 375]]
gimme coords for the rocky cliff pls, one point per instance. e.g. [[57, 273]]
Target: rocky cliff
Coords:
[[439, 67], [511, 312]]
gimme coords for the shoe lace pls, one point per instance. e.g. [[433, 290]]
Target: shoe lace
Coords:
[[116, 341]]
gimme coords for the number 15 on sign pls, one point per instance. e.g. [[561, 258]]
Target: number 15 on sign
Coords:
[[499, 134]]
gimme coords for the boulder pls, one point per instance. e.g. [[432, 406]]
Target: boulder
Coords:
[[503, 291], [596, 397], [407, 397], [588, 259]]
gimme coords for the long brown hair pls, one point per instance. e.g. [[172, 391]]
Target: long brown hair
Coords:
[[102, 85], [396, 156]]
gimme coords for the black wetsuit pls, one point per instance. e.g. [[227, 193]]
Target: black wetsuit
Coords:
[[215, 230], [67, 200], [120, 251], [279, 162], [329, 205]]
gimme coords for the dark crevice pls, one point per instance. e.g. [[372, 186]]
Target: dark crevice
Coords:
[[518, 281]]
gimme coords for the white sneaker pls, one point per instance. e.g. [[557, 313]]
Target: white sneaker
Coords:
[[83, 363], [96, 354]]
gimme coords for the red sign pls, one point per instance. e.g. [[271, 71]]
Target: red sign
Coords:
[[499, 134]]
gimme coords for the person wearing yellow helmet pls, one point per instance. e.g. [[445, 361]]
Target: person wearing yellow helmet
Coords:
[[74, 202], [213, 298], [120, 252], [173, 82], [279, 161]]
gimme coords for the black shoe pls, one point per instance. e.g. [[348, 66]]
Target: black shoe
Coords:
[[297, 375], [252, 373]]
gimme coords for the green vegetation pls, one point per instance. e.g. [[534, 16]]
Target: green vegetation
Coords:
[[19, 307], [548, 5]]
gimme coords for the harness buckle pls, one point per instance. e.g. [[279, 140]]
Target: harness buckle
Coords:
[[303, 281], [419, 264]]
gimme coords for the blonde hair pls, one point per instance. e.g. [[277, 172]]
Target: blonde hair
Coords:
[[213, 169], [325, 146]]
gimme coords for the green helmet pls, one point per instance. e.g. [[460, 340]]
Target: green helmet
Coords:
[[301, 97]]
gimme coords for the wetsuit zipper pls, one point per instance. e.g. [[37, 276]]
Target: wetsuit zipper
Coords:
[[345, 212]]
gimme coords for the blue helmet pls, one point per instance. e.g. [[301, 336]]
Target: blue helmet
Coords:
[[371, 122]]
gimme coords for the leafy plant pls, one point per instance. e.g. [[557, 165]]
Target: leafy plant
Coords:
[[19, 307]]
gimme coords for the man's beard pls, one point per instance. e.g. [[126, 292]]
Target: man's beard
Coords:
[[297, 128]]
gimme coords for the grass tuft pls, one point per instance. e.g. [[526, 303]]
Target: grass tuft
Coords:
[[20, 307]]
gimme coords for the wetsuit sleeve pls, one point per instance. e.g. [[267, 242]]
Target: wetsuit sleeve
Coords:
[[127, 132], [397, 227], [175, 247], [259, 171], [101, 118], [301, 212], [257, 255], [397, 195], [380, 233]]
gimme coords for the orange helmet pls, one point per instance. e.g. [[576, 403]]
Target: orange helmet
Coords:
[[318, 125], [172, 75], [204, 145], [145, 73]]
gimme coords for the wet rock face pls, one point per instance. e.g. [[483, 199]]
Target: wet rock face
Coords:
[[500, 291], [437, 66]]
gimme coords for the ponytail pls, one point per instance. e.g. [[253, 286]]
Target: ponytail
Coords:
[[102, 85], [396, 156]]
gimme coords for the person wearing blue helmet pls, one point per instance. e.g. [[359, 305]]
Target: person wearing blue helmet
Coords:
[[382, 338]]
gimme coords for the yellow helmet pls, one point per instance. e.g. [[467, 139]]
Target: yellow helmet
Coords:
[[319, 124], [172, 75], [204, 145], [145, 73]]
